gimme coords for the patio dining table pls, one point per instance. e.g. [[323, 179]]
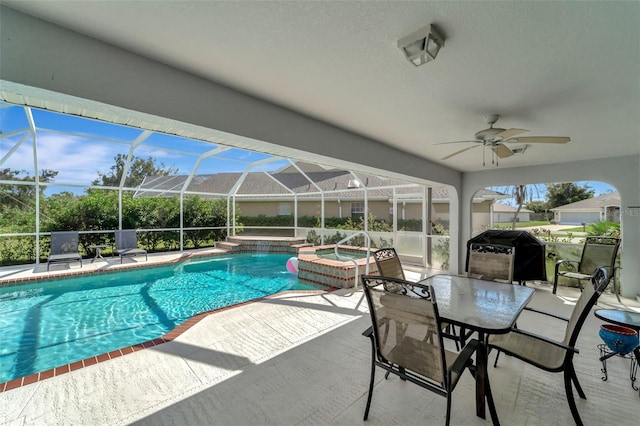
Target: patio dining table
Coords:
[[486, 307]]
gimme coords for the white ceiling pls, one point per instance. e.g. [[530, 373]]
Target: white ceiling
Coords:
[[559, 68]]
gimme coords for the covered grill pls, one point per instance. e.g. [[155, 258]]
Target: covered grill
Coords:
[[529, 262]]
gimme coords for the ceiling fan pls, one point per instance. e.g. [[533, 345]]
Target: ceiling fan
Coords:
[[495, 139]]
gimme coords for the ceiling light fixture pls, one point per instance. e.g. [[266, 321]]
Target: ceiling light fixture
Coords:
[[421, 46]]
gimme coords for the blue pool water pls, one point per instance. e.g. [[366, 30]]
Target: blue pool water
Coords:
[[50, 324]]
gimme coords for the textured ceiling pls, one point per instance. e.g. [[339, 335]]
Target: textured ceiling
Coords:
[[556, 68]]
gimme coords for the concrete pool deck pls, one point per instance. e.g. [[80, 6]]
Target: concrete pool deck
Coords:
[[300, 358], [11, 274]]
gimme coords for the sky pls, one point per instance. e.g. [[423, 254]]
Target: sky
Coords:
[[88, 147], [538, 192]]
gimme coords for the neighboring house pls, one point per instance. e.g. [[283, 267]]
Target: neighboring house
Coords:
[[591, 210], [272, 194], [504, 213]]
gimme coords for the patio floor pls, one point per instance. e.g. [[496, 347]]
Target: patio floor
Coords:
[[300, 359]]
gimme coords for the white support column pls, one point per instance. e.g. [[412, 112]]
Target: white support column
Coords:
[[366, 210], [182, 220], [32, 129], [295, 215], [322, 218]]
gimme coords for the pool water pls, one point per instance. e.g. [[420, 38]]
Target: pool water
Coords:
[[55, 323], [330, 254]]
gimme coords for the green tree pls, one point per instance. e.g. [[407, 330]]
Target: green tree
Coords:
[[604, 228], [520, 194], [20, 194], [59, 212], [95, 211], [560, 194], [18, 200], [201, 213], [537, 206], [138, 170], [154, 213]]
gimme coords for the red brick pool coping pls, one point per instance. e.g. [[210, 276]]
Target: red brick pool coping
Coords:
[[170, 336]]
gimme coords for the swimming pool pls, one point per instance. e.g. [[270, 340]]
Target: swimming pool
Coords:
[[54, 323], [330, 254]]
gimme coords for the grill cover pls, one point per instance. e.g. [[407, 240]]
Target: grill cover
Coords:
[[529, 263]]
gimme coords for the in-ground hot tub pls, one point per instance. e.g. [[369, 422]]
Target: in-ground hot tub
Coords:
[[318, 265]]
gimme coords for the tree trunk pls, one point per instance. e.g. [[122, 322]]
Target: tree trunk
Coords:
[[519, 194]]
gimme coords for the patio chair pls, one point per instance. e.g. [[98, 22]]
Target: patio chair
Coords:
[[551, 355], [64, 248], [406, 340], [597, 251], [491, 262], [389, 265], [127, 244]]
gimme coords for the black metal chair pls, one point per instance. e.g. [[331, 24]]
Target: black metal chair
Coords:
[[64, 248], [389, 265], [406, 340], [491, 262], [127, 244], [551, 355], [597, 251]]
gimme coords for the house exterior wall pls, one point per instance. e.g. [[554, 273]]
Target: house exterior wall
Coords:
[[502, 217], [381, 209], [480, 216], [577, 217]]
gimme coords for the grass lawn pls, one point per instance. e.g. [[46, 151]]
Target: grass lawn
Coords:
[[507, 225], [576, 229]]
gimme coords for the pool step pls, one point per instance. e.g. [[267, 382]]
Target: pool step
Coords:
[[299, 246], [226, 245]]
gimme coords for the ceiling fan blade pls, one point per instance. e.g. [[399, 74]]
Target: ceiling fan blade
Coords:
[[502, 151], [541, 139], [461, 151], [509, 133], [447, 143]]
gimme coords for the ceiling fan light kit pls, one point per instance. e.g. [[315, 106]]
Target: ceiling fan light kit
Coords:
[[421, 46], [496, 138]]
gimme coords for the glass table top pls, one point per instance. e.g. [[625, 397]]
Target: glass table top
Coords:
[[620, 317], [485, 306]]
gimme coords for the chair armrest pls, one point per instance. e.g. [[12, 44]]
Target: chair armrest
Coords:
[[537, 311], [462, 361], [545, 339], [368, 332], [560, 262]]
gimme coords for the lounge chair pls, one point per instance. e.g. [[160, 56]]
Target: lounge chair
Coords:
[[127, 244], [64, 248]]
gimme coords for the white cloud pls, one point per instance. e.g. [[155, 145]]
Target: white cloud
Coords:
[[77, 160]]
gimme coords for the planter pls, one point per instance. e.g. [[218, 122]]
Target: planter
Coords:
[[618, 339]]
